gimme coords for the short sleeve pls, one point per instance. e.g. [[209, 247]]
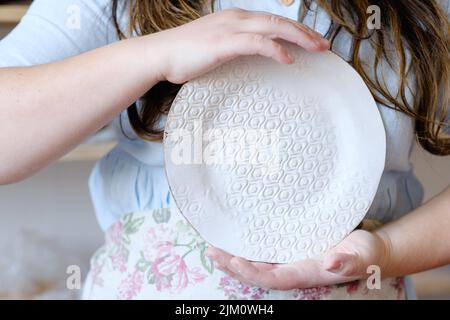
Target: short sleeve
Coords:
[[53, 30]]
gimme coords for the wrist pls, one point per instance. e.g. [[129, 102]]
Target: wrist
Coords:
[[141, 60], [386, 252], [155, 56]]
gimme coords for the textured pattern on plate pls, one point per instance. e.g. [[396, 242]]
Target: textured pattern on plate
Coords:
[[275, 163]]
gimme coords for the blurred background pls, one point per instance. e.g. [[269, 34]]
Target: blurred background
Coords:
[[47, 222]]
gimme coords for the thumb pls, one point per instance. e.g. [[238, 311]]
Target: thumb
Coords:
[[344, 264]]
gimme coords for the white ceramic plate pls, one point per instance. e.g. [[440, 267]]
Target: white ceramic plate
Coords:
[[275, 163]]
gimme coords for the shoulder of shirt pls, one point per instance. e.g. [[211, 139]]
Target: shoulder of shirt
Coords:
[[100, 9], [65, 4]]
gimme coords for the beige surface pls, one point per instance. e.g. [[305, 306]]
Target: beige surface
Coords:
[[88, 152], [433, 284], [11, 14]]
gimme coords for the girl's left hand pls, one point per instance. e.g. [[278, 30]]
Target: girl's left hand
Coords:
[[346, 262]]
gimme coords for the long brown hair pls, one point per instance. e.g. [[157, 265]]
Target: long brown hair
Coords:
[[418, 28]]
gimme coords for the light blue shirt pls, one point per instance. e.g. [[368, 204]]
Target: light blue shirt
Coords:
[[131, 177]]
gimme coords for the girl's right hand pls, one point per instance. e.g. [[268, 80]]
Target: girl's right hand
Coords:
[[195, 48]]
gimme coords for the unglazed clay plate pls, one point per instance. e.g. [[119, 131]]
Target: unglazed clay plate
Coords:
[[275, 163]]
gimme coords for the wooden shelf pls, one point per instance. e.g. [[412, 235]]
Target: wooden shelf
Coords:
[[88, 152], [12, 13]]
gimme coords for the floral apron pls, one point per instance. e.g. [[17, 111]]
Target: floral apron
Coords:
[[157, 255]]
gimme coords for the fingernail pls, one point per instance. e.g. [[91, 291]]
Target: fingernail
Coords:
[[209, 253], [345, 265], [321, 42], [318, 42], [236, 267], [291, 58], [337, 268]]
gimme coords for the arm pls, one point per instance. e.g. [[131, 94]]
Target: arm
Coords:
[[421, 240], [414, 243], [48, 109]]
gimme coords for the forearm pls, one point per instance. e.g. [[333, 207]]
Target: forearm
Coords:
[[421, 240], [46, 110]]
